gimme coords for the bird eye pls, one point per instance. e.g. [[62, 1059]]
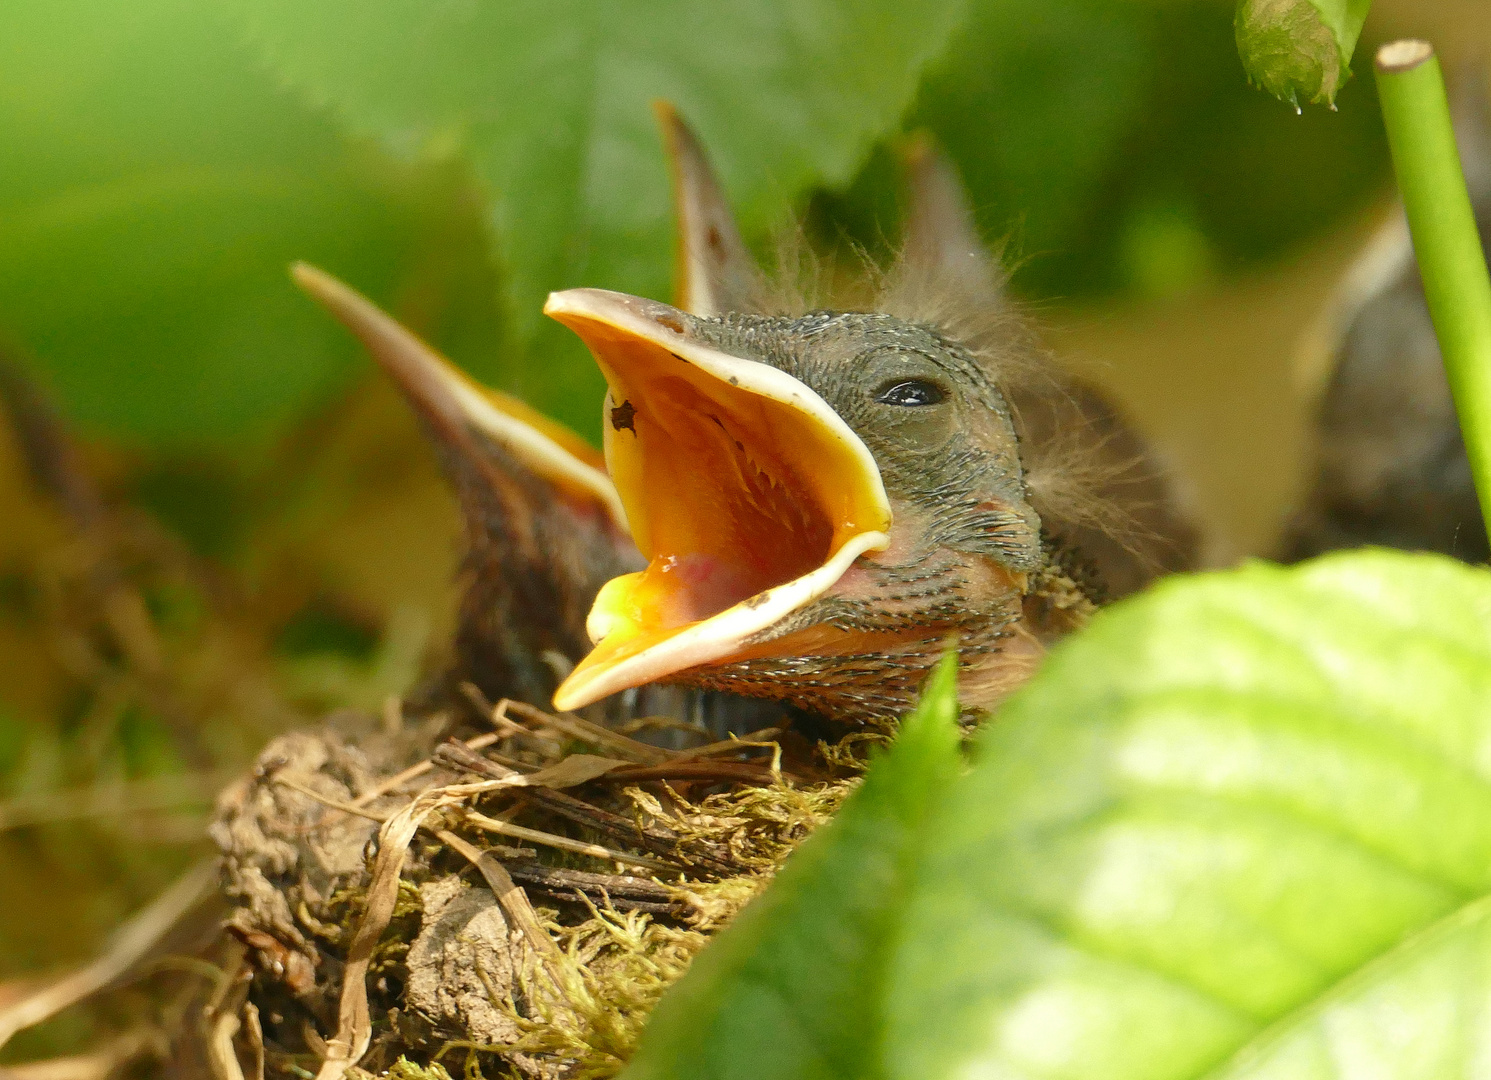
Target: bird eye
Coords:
[[911, 392]]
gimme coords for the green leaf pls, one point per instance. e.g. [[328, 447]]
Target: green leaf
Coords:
[[1240, 826], [1299, 49], [550, 102], [155, 304], [795, 988], [1112, 147], [154, 186], [1035, 100]]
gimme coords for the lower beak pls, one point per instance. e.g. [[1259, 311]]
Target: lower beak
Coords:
[[747, 494]]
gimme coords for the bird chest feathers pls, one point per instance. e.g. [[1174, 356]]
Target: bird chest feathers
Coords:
[[798, 502]]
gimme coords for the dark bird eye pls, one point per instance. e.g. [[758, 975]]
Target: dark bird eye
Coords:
[[911, 392]]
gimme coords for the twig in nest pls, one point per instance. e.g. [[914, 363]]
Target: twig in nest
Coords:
[[358, 805], [497, 716], [756, 740], [623, 891], [579, 728], [672, 850], [566, 772], [708, 772], [413, 772], [564, 843], [328, 801], [514, 900], [658, 839], [354, 1024]]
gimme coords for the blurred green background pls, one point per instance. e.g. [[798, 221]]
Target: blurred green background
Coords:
[[242, 529]]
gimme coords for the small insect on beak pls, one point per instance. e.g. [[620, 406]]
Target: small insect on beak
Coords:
[[747, 494]]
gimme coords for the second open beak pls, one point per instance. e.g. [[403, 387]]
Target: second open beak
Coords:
[[747, 494], [453, 405]]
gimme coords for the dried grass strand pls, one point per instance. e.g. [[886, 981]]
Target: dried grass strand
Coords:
[[131, 944], [414, 772], [329, 802], [99, 1065], [514, 900], [497, 716], [579, 728], [354, 1025], [564, 843], [255, 1032], [221, 1056]]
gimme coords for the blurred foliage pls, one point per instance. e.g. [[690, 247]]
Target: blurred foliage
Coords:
[[1119, 150], [155, 182]]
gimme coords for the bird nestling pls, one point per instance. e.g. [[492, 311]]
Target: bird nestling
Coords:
[[798, 505], [1390, 465]]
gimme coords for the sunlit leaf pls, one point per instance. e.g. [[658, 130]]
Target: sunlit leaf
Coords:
[[750, 1007], [550, 101], [1241, 826]]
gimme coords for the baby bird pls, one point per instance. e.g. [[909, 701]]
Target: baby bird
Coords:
[[1390, 466], [801, 506]]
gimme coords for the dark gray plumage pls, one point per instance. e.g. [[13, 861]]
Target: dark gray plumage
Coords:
[[1390, 467]]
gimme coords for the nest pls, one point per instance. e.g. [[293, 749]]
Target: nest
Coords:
[[426, 896]]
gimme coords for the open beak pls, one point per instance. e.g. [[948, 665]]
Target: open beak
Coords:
[[453, 405], [747, 494]]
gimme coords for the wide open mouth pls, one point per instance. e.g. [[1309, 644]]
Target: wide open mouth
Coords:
[[746, 493]]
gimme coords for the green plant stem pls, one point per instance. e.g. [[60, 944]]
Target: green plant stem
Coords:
[[1445, 239]]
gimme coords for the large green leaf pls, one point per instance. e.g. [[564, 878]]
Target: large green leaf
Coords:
[[1240, 826], [550, 101], [798, 982], [158, 304], [155, 184]]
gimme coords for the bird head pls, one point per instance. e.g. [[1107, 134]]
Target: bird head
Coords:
[[819, 497]]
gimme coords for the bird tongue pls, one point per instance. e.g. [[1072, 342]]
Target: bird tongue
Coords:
[[747, 494]]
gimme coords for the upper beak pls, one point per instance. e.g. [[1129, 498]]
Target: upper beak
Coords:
[[453, 404], [747, 494]]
